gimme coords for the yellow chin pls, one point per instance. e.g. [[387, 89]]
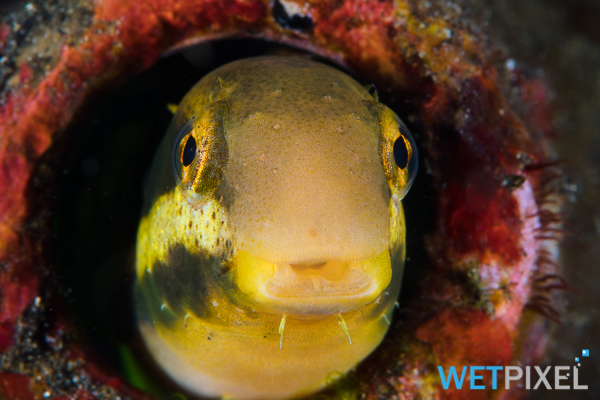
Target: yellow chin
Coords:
[[291, 327], [316, 288], [262, 355]]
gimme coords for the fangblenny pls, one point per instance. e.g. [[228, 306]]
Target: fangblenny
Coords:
[[272, 242]]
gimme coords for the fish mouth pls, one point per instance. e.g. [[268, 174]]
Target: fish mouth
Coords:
[[322, 287]]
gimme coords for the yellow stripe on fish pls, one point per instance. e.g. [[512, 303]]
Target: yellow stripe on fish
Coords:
[[271, 246]]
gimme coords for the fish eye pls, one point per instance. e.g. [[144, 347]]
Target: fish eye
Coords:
[[404, 151], [401, 152], [198, 158], [189, 151], [184, 152]]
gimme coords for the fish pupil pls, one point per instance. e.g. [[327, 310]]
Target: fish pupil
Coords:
[[189, 152], [400, 152]]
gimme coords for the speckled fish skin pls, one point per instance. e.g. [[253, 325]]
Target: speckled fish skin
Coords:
[[275, 258]]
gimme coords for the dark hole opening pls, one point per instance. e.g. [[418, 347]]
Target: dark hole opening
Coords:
[[296, 22]]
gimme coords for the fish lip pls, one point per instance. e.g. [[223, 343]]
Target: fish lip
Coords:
[[329, 279], [314, 288]]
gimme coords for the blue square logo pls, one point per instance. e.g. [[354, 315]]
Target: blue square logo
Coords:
[[576, 359], [585, 353]]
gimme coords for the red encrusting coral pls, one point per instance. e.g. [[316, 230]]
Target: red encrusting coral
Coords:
[[15, 386], [461, 338]]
